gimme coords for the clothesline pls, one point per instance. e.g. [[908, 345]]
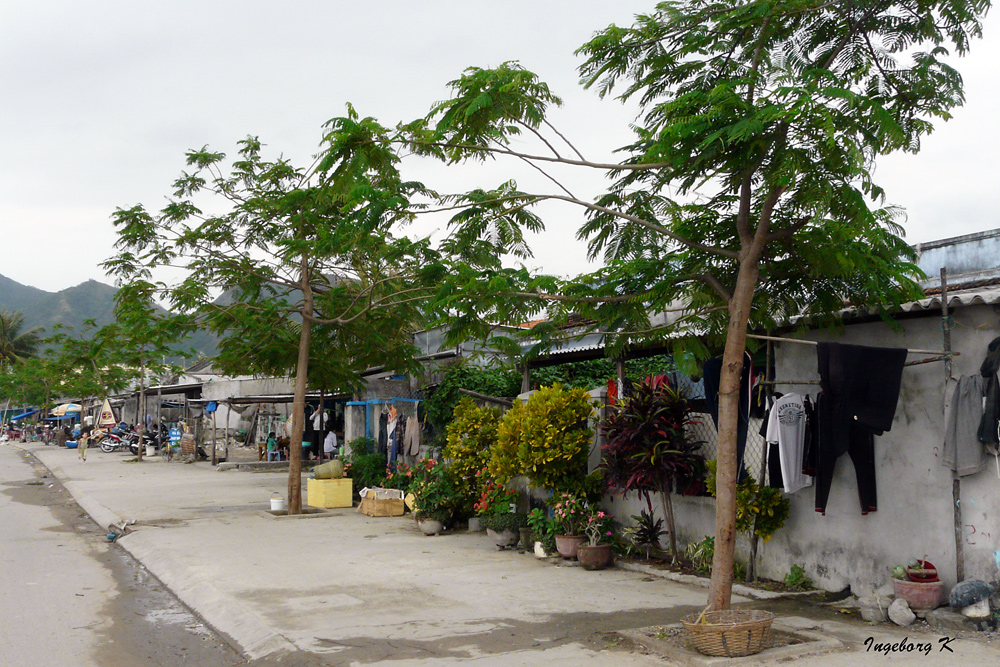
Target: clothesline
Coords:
[[939, 353]]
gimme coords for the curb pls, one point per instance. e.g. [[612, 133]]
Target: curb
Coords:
[[738, 589], [244, 630]]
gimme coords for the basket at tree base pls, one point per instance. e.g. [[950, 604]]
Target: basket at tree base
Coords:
[[731, 633]]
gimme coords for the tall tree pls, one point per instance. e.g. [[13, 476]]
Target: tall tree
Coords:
[[16, 344], [299, 272], [747, 196]]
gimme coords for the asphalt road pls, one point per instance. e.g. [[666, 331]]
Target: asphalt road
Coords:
[[69, 597]]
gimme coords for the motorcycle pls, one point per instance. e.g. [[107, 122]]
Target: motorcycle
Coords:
[[135, 440], [112, 443]]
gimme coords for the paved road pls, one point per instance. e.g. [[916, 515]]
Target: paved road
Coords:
[[68, 597]]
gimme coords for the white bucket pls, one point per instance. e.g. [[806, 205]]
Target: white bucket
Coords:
[[150, 450], [277, 504]]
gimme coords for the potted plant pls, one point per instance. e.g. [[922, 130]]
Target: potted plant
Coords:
[[497, 512], [570, 515], [543, 529], [433, 496], [595, 555]]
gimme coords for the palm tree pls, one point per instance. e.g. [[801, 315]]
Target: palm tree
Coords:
[[16, 345]]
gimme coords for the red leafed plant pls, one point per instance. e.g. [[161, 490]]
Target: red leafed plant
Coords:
[[647, 447]]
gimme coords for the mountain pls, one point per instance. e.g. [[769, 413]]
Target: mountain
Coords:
[[73, 306]]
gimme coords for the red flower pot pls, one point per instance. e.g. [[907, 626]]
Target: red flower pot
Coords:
[[567, 545], [594, 557]]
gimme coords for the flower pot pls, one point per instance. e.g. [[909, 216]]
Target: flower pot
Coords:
[[507, 538], [527, 539], [430, 526], [475, 525], [567, 545], [595, 557], [921, 596]]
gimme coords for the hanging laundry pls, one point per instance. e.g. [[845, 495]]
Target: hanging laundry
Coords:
[[412, 440], [383, 434], [787, 427], [989, 425], [712, 372], [860, 447], [963, 452]]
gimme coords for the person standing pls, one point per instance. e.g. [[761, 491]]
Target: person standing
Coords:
[[272, 447], [81, 442]]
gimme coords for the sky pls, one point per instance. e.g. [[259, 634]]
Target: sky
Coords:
[[100, 101]]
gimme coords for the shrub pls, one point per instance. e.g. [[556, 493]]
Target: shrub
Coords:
[[363, 466], [760, 510], [548, 440], [433, 491], [472, 434], [543, 529], [648, 447]]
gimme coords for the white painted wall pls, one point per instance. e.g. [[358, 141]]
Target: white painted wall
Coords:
[[915, 509]]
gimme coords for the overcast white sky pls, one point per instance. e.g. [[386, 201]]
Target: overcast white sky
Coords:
[[101, 100]]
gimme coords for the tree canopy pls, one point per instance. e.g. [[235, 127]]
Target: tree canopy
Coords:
[[747, 196]]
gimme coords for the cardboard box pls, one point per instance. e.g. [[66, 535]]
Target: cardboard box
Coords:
[[329, 492], [375, 506]]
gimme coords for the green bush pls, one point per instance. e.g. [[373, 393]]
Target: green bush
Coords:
[[471, 436], [363, 466], [548, 440]]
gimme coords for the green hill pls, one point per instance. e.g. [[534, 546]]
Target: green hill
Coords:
[[73, 306]]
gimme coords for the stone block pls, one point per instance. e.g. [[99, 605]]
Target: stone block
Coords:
[[980, 609], [946, 619], [966, 593], [329, 492], [900, 614]]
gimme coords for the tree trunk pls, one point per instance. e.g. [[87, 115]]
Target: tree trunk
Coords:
[[299, 401], [141, 426], [668, 515], [721, 585]]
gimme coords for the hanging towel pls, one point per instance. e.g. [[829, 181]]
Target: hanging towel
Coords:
[[963, 452]]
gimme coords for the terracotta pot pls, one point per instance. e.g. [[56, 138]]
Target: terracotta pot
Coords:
[[594, 557], [430, 526], [921, 596], [507, 538], [567, 545]]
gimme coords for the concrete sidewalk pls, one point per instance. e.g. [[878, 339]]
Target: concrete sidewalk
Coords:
[[349, 589]]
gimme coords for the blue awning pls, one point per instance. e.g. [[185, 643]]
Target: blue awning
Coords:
[[23, 415]]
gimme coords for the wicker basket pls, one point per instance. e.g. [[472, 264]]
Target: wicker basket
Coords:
[[731, 633]]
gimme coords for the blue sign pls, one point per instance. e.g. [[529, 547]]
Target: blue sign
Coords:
[[174, 436]]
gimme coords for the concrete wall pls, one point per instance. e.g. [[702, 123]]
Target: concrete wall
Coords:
[[915, 509]]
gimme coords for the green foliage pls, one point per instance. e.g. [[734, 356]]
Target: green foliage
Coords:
[[16, 343], [569, 512], [648, 529], [543, 528], [762, 510], [505, 521], [441, 404], [797, 579], [434, 491], [551, 436], [401, 478], [700, 555], [471, 436], [363, 465], [597, 372]]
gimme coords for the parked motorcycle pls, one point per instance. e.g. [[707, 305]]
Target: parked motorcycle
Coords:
[[112, 443]]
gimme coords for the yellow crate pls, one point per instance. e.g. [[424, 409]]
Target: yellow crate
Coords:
[[329, 492]]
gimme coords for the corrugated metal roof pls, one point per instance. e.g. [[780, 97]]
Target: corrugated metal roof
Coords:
[[957, 299]]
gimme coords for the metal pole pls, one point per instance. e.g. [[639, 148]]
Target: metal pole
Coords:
[[215, 459], [956, 484]]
